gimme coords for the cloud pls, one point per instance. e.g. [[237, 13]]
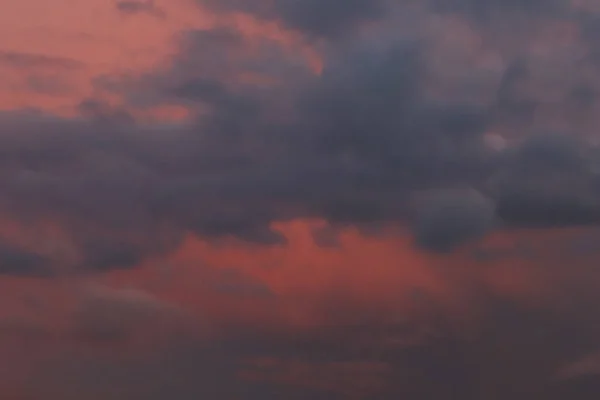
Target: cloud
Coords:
[[489, 9], [511, 350], [393, 112], [17, 59], [458, 100], [549, 180], [24, 328], [102, 112], [133, 7], [581, 388], [113, 315], [17, 260], [345, 321], [234, 283], [187, 370], [318, 19], [108, 254], [357, 125], [589, 365], [453, 217]]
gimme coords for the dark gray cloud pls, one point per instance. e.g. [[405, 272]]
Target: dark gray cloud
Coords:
[[390, 115], [329, 18], [320, 19], [448, 218], [111, 254], [485, 10], [103, 113], [584, 388], [16, 260], [133, 7], [550, 180], [334, 19]]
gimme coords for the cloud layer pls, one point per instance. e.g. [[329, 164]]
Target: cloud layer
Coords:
[[363, 198], [393, 113]]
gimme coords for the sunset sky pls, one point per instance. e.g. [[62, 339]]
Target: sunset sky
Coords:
[[299, 199]]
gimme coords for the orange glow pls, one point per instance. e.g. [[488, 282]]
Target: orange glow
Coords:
[[311, 288], [365, 273]]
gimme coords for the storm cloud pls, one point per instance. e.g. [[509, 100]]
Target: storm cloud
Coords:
[[315, 18], [269, 139], [303, 199], [17, 260], [446, 219]]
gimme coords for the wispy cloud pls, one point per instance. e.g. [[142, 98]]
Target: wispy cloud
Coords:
[[17, 59], [133, 7]]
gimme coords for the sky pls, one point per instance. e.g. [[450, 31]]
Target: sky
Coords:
[[299, 199]]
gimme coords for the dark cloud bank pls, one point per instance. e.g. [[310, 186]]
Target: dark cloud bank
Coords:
[[397, 112], [466, 117]]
